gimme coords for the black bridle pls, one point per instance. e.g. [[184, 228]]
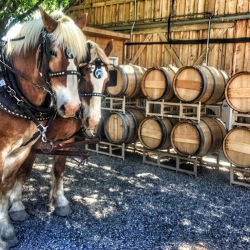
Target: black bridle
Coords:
[[44, 50], [98, 73]]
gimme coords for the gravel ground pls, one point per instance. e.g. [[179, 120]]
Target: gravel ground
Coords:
[[126, 205]]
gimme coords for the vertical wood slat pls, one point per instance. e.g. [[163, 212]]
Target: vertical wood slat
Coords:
[[247, 50], [240, 31]]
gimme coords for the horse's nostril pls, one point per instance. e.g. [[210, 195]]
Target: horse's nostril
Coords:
[[62, 108]]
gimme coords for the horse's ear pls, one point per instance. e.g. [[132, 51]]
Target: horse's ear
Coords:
[[109, 47], [82, 21], [49, 23]]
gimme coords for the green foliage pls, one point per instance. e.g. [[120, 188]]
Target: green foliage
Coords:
[[14, 11]]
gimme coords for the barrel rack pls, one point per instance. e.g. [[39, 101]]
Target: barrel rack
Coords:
[[107, 148], [238, 175], [169, 158], [162, 158]]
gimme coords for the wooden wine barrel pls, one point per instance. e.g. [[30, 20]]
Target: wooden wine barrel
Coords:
[[157, 83], [128, 82], [189, 138], [99, 129], [154, 133], [237, 92], [236, 146], [123, 128], [200, 84]]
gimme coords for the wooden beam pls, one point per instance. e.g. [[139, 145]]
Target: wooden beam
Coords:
[[142, 47], [171, 51], [90, 31], [186, 28]]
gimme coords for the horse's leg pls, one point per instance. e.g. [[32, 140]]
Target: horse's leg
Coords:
[[7, 233], [57, 197], [17, 209]]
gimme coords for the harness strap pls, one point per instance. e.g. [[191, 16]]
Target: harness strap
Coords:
[[93, 94], [63, 73]]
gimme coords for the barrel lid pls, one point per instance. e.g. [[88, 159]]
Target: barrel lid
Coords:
[[237, 92], [154, 83], [120, 88], [150, 133], [115, 128], [188, 84], [185, 138], [236, 147]]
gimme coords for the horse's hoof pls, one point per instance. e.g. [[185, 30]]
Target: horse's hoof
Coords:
[[3, 245], [63, 211], [21, 215], [11, 241]]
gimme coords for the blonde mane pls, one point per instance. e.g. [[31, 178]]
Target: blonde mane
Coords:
[[97, 52], [66, 35]]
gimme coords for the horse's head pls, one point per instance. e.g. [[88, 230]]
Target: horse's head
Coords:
[[94, 77], [49, 56], [66, 52]]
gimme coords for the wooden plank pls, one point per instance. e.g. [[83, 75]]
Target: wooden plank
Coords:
[[142, 47], [180, 8], [90, 31], [201, 6], [230, 47], [247, 50], [185, 48], [220, 7], [211, 6], [194, 48], [213, 54], [219, 33], [242, 6], [171, 51], [189, 8], [239, 53]]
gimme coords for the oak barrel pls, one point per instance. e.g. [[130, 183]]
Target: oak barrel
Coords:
[[154, 133], [157, 83], [128, 82], [237, 92], [189, 138], [200, 84], [123, 127], [236, 146]]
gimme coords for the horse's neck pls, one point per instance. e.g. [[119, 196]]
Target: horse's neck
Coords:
[[27, 67]]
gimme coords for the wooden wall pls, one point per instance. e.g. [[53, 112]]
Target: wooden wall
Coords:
[[187, 23]]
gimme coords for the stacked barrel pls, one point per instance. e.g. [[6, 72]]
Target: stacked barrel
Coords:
[[121, 127], [189, 84], [236, 145], [154, 132], [199, 84]]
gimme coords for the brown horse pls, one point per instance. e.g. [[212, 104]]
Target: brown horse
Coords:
[[91, 88], [39, 67]]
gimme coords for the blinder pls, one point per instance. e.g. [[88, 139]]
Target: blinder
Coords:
[[71, 54], [98, 72]]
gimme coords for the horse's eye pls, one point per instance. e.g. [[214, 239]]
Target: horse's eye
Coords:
[[53, 53]]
